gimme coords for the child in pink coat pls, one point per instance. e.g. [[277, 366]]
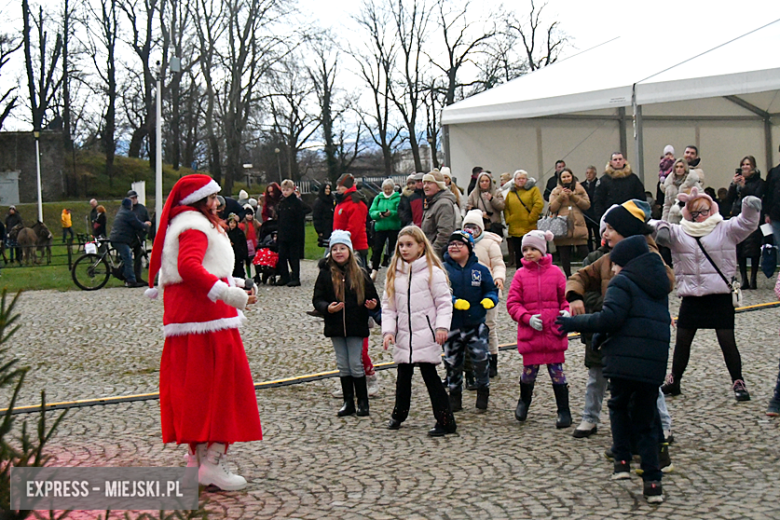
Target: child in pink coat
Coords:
[[535, 300]]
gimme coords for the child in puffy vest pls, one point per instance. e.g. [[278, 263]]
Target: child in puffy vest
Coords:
[[632, 331], [473, 294], [416, 316], [536, 298]]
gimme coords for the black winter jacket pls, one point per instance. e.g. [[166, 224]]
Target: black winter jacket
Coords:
[[754, 185], [322, 214], [291, 215], [126, 227], [352, 320], [772, 194], [616, 187], [635, 318]]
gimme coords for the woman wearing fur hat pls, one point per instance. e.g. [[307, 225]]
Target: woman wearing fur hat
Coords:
[[487, 198], [681, 180], [207, 397], [703, 283], [522, 209], [570, 199], [487, 247]]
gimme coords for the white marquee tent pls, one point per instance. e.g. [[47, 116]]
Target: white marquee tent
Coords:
[[631, 96]]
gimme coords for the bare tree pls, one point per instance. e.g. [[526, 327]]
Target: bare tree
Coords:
[[542, 45], [41, 79], [8, 45]]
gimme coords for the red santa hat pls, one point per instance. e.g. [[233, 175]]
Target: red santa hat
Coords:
[[189, 189]]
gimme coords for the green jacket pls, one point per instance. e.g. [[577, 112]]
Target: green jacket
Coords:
[[381, 204]]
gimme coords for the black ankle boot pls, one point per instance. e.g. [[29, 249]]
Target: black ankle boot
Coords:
[[493, 365], [456, 402], [348, 389], [361, 392], [397, 418], [468, 377], [526, 393], [483, 395], [562, 400], [445, 424]]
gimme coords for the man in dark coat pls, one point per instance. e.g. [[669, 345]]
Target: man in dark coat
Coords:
[[772, 202], [124, 233], [291, 212], [141, 212], [617, 185], [230, 206], [590, 214], [553, 181], [633, 331]]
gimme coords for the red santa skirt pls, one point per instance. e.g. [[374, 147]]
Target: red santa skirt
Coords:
[[206, 390]]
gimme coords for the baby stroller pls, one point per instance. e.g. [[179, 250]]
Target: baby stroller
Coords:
[[267, 255]]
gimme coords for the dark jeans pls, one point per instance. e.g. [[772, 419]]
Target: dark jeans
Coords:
[[517, 247], [403, 391], [362, 258], [289, 253], [633, 409], [127, 260], [138, 259], [594, 240], [565, 252], [380, 237], [65, 232]]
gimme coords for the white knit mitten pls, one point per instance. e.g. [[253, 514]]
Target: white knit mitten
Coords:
[[235, 297]]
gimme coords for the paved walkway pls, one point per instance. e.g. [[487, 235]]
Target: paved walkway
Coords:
[[315, 465]]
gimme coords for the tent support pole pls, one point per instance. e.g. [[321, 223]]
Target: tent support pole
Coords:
[[622, 130], [445, 134], [639, 143], [766, 116]]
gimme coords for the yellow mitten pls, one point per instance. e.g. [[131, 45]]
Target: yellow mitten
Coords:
[[487, 303], [461, 305]]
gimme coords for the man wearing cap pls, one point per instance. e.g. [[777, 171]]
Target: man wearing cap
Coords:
[[124, 234], [617, 185], [439, 219], [351, 214], [141, 212], [410, 208]]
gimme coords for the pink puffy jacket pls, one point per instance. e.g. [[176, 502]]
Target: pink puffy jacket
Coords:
[[420, 305], [539, 288]]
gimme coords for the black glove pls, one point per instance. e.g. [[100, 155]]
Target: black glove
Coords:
[[598, 339], [565, 325]]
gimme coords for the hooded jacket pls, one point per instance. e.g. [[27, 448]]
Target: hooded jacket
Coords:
[[695, 274], [472, 283], [439, 219], [352, 320], [494, 207], [384, 203], [616, 187], [350, 215], [538, 288], [571, 206], [635, 318], [421, 304], [521, 217], [487, 247], [126, 227]]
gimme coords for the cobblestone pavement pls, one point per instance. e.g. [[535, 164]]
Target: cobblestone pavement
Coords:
[[315, 465]]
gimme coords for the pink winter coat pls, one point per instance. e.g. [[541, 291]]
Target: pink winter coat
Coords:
[[539, 288], [420, 305]]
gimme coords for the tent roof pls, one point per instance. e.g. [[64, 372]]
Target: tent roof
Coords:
[[604, 76]]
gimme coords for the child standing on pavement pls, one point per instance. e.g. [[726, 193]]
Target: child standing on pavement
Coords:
[[634, 325], [344, 294], [473, 293], [416, 316], [773, 410], [536, 298]]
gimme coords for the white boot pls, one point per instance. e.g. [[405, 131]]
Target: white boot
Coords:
[[193, 458], [374, 275], [373, 385], [215, 472]]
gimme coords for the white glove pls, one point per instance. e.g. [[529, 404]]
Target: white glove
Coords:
[[536, 321], [235, 297], [565, 314], [752, 202]]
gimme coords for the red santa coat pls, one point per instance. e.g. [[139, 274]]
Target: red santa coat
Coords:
[[350, 215], [206, 388]]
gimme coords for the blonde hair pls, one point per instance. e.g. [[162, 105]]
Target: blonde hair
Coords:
[[430, 256], [287, 183], [350, 273], [684, 163]]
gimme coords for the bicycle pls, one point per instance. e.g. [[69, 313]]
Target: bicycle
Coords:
[[91, 271]]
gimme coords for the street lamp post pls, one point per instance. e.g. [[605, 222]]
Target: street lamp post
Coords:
[[37, 136], [278, 163], [158, 178]]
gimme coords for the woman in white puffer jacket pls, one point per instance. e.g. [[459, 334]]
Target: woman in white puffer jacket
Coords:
[[416, 318]]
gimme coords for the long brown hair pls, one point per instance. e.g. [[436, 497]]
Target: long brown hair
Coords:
[[202, 206], [352, 274], [430, 256]]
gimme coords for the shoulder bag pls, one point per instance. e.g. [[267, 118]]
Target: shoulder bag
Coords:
[[736, 291]]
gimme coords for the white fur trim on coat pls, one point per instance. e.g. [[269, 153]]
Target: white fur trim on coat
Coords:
[[217, 290], [218, 260], [203, 327], [209, 189]]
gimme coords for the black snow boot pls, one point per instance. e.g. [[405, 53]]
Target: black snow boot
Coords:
[[562, 400], [348, 389], [526, 392]]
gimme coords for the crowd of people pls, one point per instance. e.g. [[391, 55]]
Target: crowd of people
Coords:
[[446, 273]]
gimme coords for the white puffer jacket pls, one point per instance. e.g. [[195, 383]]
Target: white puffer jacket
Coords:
[[420, 305]]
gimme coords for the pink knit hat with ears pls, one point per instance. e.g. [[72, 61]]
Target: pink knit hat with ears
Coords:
[[538, 240], [689, 198]]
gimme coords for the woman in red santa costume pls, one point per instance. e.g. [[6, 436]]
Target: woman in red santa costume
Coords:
[[207, 398]]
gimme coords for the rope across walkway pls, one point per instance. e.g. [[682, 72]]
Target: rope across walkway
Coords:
[[288, 381]]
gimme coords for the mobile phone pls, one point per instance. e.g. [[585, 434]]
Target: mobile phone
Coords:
[[738, 171]]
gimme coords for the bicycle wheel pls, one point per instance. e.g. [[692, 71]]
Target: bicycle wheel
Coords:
[[90, 272]]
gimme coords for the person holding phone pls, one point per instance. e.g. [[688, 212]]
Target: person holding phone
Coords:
[[747, 181]]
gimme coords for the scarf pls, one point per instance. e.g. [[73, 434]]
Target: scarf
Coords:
[[701, 229]]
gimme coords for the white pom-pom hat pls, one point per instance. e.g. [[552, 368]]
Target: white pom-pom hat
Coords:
[[538, 240]]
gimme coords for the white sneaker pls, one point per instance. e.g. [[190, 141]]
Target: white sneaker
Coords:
[[372, 382], [374, 275], [193, 459], [337, 392], [215, 472]]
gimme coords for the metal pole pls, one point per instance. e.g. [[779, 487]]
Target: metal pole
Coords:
[[638, 136], [279, 164], [158, 179], [38, 169]]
